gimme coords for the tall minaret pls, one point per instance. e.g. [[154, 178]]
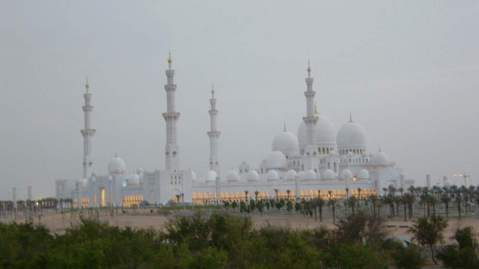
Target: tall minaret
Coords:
[[87, 133], [311, 117], [213, 134], [171, 116]]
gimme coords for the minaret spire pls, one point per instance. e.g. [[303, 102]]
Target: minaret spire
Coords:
[[284, 127], [171, 117], [309, 69], [350, 117], [87, 132], [311, 118], [213, 134]]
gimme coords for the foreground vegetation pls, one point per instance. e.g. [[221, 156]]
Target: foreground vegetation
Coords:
[[226, 241]]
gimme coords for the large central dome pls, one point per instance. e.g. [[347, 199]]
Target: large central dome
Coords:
[[286, 142], [351, 137], [324, 133]]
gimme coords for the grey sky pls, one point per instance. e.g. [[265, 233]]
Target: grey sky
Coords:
[[407, 70]]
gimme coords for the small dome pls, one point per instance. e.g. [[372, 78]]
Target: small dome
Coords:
[[380, 158], [83, 182], [300, 175], [275, 160], [232, 176], [346, 174], [133, 180], [310, 175], [291, 175], [252, 175], [351, 136], [286, 142], [363, 174], [212, 175], [194, 177], [272, 175], [116, 166], [329, 174]]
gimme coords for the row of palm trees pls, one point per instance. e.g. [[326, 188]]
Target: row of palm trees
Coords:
[[12, 208], [393, 202]]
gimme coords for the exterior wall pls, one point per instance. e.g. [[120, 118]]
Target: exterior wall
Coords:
[[205, 192]]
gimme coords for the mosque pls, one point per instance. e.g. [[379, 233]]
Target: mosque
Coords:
[[317, 161]]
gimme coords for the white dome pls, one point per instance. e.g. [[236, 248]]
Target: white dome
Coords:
[[324, 133], [346, 174], [232, 176], [134, 180], [272, 175], [194, 177], [275, 160], [116, 166], [286, 142], [351, 136], [252, 175], [212, 175], [310, 175], [380, 158], [291, 175], [329, 174], [363, 174], [84, 182]]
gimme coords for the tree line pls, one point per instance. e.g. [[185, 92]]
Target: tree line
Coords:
[[221, 240]]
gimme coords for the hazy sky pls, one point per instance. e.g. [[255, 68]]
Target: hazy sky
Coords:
[[407, 70]]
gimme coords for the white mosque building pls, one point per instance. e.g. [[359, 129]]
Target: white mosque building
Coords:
[[317, 161]]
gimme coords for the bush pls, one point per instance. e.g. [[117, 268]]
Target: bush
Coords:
[[464, 254]]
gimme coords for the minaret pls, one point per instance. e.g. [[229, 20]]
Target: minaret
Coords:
[[311, 117], [171, 117], [213, 134], [87, 133]]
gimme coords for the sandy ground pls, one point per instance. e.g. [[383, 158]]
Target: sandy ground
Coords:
[[143, 219]]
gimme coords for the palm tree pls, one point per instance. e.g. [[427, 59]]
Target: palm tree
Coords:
[[409, 199], [288, 192], [332, 203], [446, 199], [374, 201], [459, 201], [246, 196], [320, 207], [256, 195]]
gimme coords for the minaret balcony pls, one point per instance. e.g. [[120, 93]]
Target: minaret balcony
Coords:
[[171, 115], [309, 93], [88, 132], [87, 108], [214, 133], [310, 119], [170, 87]]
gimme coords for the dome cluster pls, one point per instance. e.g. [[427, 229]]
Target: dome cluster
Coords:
[[117, 166], [351, 137]]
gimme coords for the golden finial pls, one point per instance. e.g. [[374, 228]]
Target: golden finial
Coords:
[[87, 85], [309, 69], [169, 59]]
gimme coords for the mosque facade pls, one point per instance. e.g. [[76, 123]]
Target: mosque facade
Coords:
[[317, 161]]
